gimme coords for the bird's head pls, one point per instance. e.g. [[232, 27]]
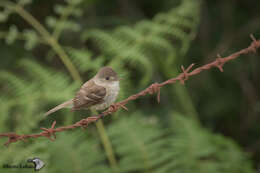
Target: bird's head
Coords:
[[107, 75]]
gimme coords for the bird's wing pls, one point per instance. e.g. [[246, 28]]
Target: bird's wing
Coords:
[[88, 95]]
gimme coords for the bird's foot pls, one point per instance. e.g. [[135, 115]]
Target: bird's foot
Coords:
[[115, 106]]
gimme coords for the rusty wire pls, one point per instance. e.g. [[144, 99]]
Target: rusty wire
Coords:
[[152, 89]]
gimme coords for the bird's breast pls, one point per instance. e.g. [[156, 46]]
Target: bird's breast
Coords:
[[112, 91]]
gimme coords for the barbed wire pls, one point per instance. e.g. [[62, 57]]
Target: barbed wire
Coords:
[[152, 89]]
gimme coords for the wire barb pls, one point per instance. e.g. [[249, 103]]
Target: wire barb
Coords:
[[155, 88], [152, 89], [185, 74], [254, 43], [50, 132], [220, 63]]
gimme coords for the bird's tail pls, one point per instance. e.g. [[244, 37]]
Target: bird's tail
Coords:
[[67, 104]]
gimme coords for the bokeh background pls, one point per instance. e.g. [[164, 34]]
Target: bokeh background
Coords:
[[211, 124]]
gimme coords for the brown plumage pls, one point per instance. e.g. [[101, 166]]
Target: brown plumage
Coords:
[[88, 95]]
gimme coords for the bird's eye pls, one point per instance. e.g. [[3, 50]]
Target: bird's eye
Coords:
[[107, 78]]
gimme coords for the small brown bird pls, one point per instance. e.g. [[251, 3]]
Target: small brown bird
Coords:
[[97, 93]]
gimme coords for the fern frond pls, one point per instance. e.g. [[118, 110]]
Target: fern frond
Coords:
[[184, 146], [139, 154], [149, 41], [84, 61], [195, 149]]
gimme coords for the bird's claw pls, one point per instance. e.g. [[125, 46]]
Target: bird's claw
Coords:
[[114, 107]]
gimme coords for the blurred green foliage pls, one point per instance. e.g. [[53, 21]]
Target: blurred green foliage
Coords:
[[49, 47]]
